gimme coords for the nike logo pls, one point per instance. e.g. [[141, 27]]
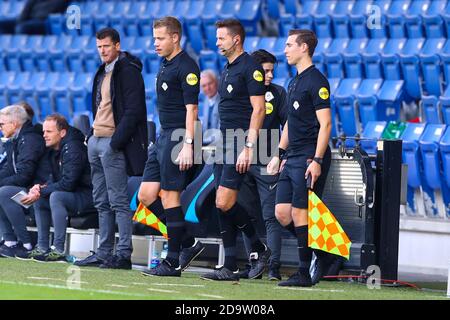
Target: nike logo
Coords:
[[272, 186]]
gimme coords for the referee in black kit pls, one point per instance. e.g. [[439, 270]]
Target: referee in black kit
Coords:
[[241, 108], [305, 139], [167, 167]]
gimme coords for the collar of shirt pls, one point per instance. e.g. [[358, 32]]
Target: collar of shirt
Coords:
[[306, 71], [167, 62], [213, 100], [238, 59], [110, 67]]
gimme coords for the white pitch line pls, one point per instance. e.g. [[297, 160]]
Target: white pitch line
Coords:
[[178, 285], [116, 286], [308, 289], [53, 279], [209, 296], [54, 286], [161, 290]]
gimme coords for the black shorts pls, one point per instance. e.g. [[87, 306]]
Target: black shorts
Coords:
[[160, 167], [291, 187]]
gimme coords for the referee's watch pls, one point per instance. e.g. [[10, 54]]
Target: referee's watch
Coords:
[[249, 144], [318, 160], [189, 141]]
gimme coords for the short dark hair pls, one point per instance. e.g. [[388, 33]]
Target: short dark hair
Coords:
[[172, 24], [27, 108], [263, 56], [108, 32], [61, 121], [305, 36], [233, 26]]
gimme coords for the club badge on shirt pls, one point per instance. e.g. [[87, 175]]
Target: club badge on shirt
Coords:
[[229, 88], [296, 105], [164, 86], [269, 108]]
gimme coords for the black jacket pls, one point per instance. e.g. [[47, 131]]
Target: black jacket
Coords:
[[23, 155], [130, 112], [69, 166], [40, 9]]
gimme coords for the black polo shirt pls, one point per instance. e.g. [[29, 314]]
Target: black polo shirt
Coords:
[[308, 92], [239, 80], [177, 85], [276, 116]]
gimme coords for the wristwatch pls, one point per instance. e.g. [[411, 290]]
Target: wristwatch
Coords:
[[249, 144], [189, 140], [318, 160]]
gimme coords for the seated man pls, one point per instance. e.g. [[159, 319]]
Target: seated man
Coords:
[[66, 193], [24, 149]]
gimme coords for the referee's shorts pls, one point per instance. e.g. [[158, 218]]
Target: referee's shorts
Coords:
[[160, 166], [291, 187]]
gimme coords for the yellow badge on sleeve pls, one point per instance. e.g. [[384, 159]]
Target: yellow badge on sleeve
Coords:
[[269, 108], [323, 93], [257, 75], [192, 79]]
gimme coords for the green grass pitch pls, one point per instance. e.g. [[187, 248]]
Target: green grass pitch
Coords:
[[33, 280]]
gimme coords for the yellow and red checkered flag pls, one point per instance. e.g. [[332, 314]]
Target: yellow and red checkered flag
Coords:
[[145, 216], [324, 231]]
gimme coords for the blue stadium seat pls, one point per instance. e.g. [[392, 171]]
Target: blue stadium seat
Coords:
[[390, 99], [90, 7], [195, 9], [120, 9], [131, 26], [273, 9], [194, 32], [91, 62], [279, 81], [429, 148], [322, 25], [444, 147], [250, 14], [371, 58], [361, 7], [398, 7], [431, 72], [180, 8], [304, 21], [61, 101], [344, 98], [352, 58], [336, 125], [434, 26], [100, 22], [381, 30], [396, 26], [414, 26], [278, 48], [368, 100], [267, 43], [55, 23], [340, 24], [12, 61], [410, 65], [418, 7], [390, 60], [208, 60], [104, 9], [152, 62], [358, 28], [291, 7], [411, 156], [14, 88], [286, 23], [445, 105], [343, 7], [282, 69], [87, 25], [117, 22], [384, 5], [436, 7], [229, 9], [334, 65], [251, 44], [430, 109], [317, 60], [373, 131]]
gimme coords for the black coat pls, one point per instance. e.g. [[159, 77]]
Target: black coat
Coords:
[[23, 155], [69, 166], [130, 112]]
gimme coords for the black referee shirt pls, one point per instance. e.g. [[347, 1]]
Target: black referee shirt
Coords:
[[177, 85], [276, 116], [239, 80], [308, 92]]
